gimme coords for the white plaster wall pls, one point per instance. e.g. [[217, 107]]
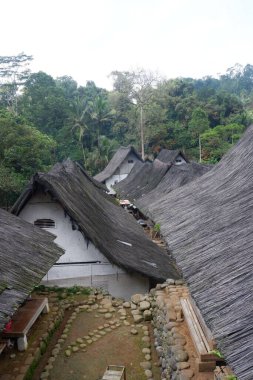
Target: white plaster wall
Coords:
[[116, 280], [182, 160], [122, 172]]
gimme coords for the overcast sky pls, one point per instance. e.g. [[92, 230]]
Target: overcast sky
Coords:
[[88, 39]]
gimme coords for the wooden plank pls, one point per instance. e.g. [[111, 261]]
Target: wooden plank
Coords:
[[199, 345], [198, 326], [206, 330]]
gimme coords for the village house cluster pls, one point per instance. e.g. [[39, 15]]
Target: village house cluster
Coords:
[[68, 229]]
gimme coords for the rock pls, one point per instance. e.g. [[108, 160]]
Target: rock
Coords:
[[67, 352], [12, 356], [179, 282], [147, 357], [75, 348], [137, 298], [133, 331], [170, 281], [108, 315], [181, 356], [137, 318], [79, 340], [146, 365], [146, 350], [133, 306], [126, 323], [144, 305], [183, 365], [126, 305], [135, 312], [147, 315], [145, 339], [148, 374]]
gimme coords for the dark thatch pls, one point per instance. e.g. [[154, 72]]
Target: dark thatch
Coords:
[[143, 179], [208, 226], [111, 229], [176, 176], [26, 255], [115, 162], [169, 156]]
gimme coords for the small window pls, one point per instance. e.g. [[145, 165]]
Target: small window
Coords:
[[116, 181], [178, 160], [130, 161], [44, 223]]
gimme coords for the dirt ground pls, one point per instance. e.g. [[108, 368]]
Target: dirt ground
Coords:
[[117, 346]]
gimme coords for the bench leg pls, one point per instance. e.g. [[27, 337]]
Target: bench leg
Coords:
[[46, 309], [22, 343]]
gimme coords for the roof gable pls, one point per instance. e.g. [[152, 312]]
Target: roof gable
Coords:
[[113, 231], [115, 163]]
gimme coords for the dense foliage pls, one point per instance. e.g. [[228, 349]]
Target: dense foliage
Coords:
[[43, 120]]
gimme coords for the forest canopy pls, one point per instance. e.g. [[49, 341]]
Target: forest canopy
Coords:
[[44, 120]]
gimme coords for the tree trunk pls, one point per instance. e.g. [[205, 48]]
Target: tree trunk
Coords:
[[200, 152], [142, 133]]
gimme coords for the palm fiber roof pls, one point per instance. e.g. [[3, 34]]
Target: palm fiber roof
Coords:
[[143, 179], [26, 255], [176, 176], [208, 226], [115, 162], [167, 155], [111, 229]]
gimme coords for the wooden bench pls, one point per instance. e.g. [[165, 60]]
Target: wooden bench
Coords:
[[23, 320], [115, 372], [201, 336]]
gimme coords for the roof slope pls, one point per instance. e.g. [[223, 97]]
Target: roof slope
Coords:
[[26, 255], [144, 179], [115, 162], [167, 155], [176, 176], [209, 229], [111, 229]]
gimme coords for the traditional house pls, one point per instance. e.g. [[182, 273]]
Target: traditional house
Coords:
[[26, 255], [208, 226], [176, 157], [176, 176], [145, 177], [104, 246], [119, 167]]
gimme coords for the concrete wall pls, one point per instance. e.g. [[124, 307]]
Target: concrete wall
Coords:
[[75, 267]]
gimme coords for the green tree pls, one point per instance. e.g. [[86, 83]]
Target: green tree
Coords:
[[14, 71]]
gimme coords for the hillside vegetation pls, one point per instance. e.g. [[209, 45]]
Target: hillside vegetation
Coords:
[[44, 120]]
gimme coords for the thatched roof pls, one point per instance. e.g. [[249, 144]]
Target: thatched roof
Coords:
[[176, 176], [111, 229], [167, 155], [208, 226], [26, 255], [143, 179], [115, 162]]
